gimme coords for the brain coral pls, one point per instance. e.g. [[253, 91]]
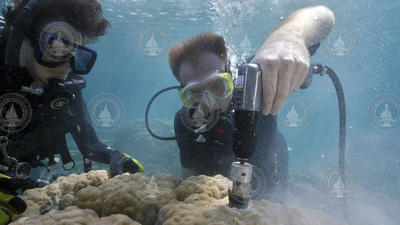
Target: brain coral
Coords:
[[93, 198]]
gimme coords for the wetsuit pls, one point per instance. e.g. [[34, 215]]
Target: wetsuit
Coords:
[[45, 134], [215, 155]]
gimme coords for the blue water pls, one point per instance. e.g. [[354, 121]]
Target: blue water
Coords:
[[372, 69]]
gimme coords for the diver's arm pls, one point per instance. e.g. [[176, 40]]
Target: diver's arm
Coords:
[[85, 135], [309, 25], [91, 148], [284, 57]]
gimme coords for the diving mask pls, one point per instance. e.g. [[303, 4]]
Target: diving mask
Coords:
[[60, 50], [217, 85]]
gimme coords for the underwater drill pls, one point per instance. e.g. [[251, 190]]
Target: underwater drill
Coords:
[[247, 106]]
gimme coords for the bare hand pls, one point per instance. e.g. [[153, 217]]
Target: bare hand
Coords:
[[284, 64]]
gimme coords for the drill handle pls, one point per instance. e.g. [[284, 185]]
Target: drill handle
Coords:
[[244, 135]]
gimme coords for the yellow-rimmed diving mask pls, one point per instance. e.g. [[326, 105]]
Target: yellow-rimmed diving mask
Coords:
[[218, 85]]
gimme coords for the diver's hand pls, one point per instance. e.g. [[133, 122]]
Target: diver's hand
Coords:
[[122, 163], [13, 184], [284, 61]]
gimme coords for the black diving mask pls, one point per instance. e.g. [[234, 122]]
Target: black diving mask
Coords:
[[52, 50], [80, 58]]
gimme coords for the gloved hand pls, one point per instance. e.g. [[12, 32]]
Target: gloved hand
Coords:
[[122, 163], [9, 202], [13, 184]]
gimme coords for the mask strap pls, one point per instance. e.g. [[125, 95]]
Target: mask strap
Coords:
[[18, 31]]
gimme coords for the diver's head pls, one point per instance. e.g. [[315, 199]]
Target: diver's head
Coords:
[[84, 17], [199, 65]]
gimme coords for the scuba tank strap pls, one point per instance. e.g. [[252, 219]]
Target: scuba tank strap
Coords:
[[18, 32]]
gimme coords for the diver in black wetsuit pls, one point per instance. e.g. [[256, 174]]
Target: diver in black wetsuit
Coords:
[[42, 57], [200, 65], [45, 135]]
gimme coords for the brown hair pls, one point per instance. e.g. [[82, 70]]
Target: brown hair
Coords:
[[191, 49], [84, 15]]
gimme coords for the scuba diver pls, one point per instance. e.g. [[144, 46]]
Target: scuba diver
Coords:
[[42, 57], [207, 90]]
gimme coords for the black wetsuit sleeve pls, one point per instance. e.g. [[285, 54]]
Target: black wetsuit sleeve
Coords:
[[85, 135]]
